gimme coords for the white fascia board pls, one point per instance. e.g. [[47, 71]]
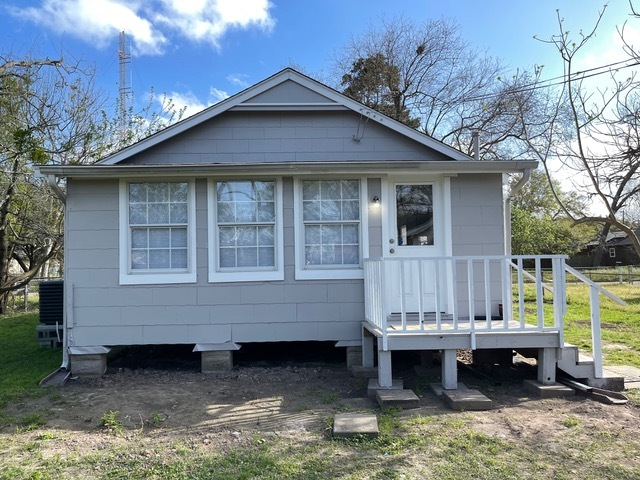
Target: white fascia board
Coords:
[[287, 169]]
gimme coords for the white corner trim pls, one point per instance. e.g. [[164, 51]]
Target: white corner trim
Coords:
[[126, 276], [217, 275]]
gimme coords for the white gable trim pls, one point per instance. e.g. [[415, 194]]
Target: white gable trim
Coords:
[[337, 101]]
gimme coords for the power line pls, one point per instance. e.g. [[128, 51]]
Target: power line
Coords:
[[560, 80]]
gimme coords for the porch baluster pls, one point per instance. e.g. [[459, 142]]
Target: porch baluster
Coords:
[[487, 293], [437, 293], [539, 294]]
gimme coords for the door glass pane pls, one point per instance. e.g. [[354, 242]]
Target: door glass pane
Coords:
[[414, 214]]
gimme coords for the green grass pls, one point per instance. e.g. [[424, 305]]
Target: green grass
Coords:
[[23, 362], [620, 325]]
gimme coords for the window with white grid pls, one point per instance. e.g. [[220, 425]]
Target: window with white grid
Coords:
[[157, 232], [245, 243], [331, 223]]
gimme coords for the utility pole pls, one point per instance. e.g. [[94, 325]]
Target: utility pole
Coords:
[[123, 88]]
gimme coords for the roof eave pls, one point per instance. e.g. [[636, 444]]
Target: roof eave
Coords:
[[289, 168]]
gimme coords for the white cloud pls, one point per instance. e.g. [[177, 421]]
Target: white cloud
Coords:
[[216, 95], [97, 21], [187, 101], [149, 23], [190, 103], [239, 79]]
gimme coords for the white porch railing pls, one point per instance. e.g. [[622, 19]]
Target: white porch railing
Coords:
[[408, 296], [460, 294], [594, 300]]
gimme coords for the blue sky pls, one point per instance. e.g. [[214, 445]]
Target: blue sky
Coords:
[[198, 51]]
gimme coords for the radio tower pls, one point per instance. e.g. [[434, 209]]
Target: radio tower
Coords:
[[123, 89]]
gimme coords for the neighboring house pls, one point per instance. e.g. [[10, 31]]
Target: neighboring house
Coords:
[[617, 250], [290, 212]]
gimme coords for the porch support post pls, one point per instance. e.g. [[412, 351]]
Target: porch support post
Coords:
[[367, 349], [384, 369], [449, 370], [547, 366]]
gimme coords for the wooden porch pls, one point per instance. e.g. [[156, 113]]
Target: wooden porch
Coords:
[[471, 302]]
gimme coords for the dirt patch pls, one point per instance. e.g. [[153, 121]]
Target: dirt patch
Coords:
[[161, 408]]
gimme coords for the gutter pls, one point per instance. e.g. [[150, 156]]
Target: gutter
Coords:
[[276, 168], [526, 175]]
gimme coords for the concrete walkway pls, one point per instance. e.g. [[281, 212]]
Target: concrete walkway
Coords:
[[631, 375]]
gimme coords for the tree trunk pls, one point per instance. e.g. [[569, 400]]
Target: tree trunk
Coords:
[[599, 251]]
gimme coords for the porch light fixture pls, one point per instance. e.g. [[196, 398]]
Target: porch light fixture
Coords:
[[375, 201]]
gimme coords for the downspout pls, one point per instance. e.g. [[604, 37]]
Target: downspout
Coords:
[[51, 180], [526, 175]]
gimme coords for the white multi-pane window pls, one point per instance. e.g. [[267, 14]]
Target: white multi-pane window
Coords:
[[247, 237], [158, 221], [157, 232], [331, 218], [330, 224]]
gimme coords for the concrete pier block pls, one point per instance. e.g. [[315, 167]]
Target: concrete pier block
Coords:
[[468, 399], [548, 391], [216, 361], [372, 389], [354, 356], [404, 398], [88, 361], [89, 365]]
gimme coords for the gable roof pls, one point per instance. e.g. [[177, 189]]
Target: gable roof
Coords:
[[308, 95]]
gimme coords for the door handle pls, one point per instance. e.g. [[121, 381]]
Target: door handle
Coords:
[[392, 241], [392, 250]]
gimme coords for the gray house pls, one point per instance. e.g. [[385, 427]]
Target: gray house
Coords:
[[290, 212]]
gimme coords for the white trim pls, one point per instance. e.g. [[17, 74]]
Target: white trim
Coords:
[[127, 277], [351, 167], [327, 272], [247, 274]]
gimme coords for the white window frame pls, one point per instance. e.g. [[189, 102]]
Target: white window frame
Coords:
[[244, 274], [155, 277], [329, 272], [612, 252]]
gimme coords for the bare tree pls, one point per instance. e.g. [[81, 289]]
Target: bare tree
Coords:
[[49, 113], [426, 76], [592, 135]]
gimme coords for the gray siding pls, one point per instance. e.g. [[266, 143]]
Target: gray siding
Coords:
[[255, 137], [477, 219], [106, 313], [289, 92], [478, 229]]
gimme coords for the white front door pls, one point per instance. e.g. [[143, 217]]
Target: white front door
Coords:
[[416, 230]]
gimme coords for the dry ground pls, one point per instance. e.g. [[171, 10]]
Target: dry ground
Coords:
[[164, 410]]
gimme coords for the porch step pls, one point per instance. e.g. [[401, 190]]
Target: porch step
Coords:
[[575, 363]]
